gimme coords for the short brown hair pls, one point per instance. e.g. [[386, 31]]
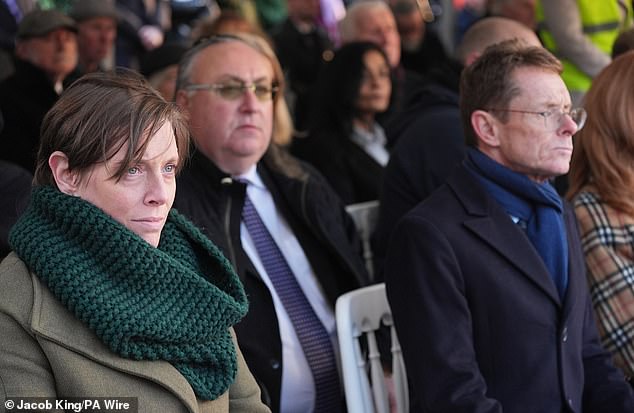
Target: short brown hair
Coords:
[[282, 122], [101, 113], [604, 148], [488, 82]]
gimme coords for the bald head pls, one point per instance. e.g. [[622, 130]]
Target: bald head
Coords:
[[489, 31], [372, 21]]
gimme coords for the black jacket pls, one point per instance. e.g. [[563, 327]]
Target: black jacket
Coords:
[[352, 173], [302, 55], [429, 147], [326, 233], [25, 97]]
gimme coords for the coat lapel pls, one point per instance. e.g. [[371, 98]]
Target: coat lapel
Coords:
[[54, 322], [493, 225], [577, 281]]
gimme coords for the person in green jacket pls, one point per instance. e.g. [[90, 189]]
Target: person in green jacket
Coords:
[[581, 34], [109, 292]]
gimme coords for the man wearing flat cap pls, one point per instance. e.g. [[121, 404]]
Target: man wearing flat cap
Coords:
[[96, 33], [46, 52]]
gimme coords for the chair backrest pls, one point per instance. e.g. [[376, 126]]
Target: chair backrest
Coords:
[[365, 216], [360, 313]]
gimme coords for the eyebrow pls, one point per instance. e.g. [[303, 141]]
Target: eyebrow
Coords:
[[553, 105], [229, 77]]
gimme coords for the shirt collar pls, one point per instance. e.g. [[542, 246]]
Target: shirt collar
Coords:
[[251, 177]]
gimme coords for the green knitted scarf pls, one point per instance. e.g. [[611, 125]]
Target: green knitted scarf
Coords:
[[173, 303]]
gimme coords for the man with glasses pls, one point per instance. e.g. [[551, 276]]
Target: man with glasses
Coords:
[[430, 138], [486, 278], [283, 228]]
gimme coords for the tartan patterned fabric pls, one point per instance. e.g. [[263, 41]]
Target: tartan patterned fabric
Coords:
[[608, 244]]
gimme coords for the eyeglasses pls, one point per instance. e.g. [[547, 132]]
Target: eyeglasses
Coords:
[[236, 91], [554, 118]]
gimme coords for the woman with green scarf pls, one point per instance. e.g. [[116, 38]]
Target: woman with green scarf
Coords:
[[110, 293]]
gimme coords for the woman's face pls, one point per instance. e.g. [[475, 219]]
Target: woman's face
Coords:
[[142, 198], [376, 85]]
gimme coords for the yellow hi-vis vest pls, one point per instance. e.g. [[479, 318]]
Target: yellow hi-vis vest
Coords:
[[602, 20]]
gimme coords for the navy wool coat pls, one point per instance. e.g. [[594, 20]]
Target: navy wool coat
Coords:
[[480, 321]]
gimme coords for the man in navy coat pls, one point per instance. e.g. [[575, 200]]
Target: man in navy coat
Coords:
[[486, 278]]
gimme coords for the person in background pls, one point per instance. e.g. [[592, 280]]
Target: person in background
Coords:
[[373, 21], [284, 229], [227, 21], [11, 13], [96, 33], [108, 291], [346, 143], [602, 191], [303, 48], [160, 68], [46, 53], [486, 278], [421, 50], [581, 34], [140, 29]]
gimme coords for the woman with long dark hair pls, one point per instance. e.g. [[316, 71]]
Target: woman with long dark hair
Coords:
[[346, 143]]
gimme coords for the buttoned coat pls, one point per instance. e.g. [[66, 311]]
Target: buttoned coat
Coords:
[[48, 352], [480, 321]]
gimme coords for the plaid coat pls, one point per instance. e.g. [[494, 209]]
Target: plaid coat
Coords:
[[608, 244]]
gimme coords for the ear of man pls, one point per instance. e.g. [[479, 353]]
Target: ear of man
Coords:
[[486, 128], [182, 99]]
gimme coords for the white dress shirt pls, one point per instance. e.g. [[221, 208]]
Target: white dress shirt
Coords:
[[298, 389], [372, 142]]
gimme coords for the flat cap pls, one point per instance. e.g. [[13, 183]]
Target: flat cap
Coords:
[[89, 9], [41, 22]]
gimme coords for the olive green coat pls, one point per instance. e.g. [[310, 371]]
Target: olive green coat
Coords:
[[45, 351]]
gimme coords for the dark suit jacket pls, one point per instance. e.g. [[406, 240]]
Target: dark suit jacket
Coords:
[[322, 227], [480, 321]]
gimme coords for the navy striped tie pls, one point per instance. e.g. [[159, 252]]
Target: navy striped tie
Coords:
[[312, 334]]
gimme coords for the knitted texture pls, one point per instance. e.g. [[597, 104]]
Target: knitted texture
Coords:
[[173, 303]]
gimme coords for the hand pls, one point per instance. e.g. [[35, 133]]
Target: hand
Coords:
[[151, 37], [391, 394]]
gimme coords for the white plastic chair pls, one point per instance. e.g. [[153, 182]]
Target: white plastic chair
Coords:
[[361, 313], [365, 216]]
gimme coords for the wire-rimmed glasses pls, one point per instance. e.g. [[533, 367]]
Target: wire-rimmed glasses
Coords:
[[235, 91], [553, 118]]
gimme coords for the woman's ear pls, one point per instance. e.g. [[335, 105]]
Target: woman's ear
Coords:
[[66, 180]]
